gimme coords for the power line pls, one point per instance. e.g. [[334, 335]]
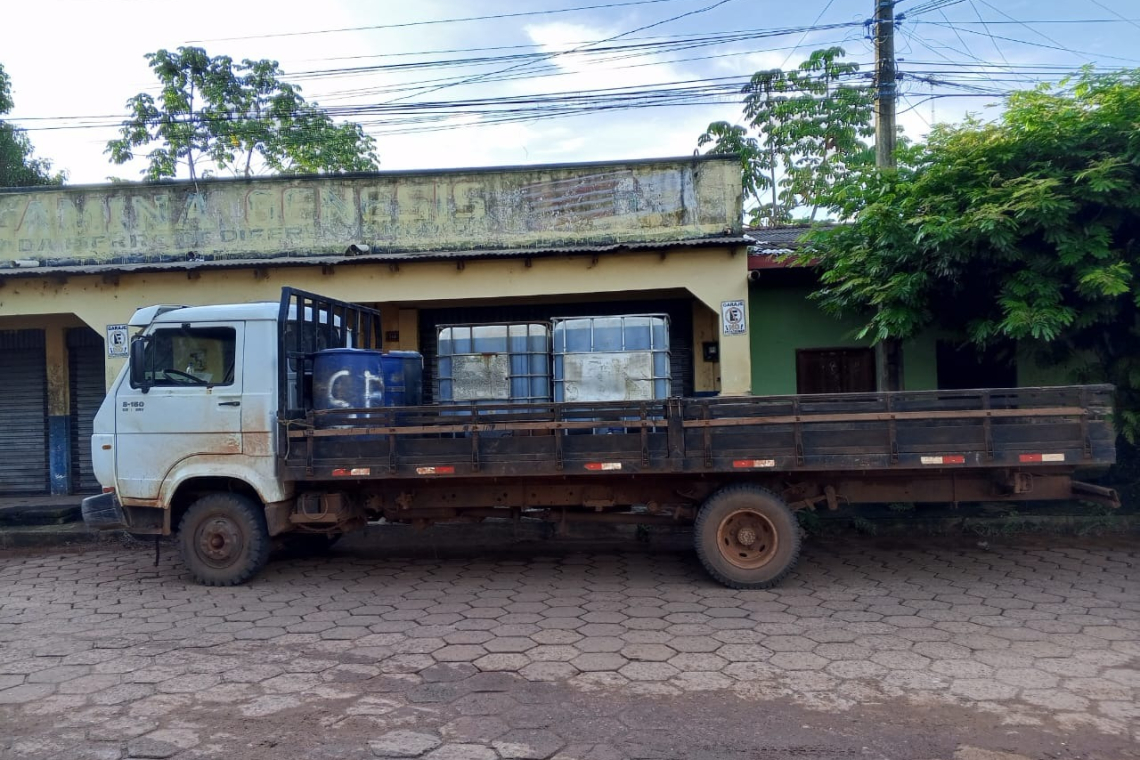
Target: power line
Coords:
[[1057, 45], [818, 18], [1079, 53], [1114, 13], [433, 21], [479, 77], [985, 26], [929, 7]]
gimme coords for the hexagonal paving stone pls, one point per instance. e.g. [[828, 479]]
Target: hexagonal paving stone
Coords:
[[696, 644], [1124, 677], [797, 661], [459, 653], [1028, 678], [509, 644], [448, 672], [25, 693], [403, 743], [484, 704], [696, 661], [556, 636], [649, 671], [553, 653], [744, 652], [701, 681], [599, 661], [528, 745], [648, 652], [982, 689], [502, 662], [474, 729], [548, 671], [1055, 699], [463, 752]]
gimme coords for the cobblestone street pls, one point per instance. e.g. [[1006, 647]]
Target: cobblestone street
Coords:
[[1028, 650]]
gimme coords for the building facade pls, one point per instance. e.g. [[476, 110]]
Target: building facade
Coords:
[[797, 348], [425, 248]]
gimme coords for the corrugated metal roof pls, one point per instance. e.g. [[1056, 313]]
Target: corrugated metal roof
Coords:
[[781, 239], [301, 260]]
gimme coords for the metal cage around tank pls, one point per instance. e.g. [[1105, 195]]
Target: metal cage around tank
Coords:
[[621, 357], [507, 362]]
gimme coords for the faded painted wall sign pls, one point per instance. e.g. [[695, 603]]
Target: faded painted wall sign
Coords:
[[118, 341], [732, 316], [303, 216]]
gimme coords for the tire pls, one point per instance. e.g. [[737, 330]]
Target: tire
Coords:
[[746, 537], [223, 539]]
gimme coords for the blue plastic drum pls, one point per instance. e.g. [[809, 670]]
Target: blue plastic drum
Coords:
[[403, 378], [347, 378]]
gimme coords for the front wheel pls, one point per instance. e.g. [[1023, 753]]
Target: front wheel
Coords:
[[224, 539], [746, 537]]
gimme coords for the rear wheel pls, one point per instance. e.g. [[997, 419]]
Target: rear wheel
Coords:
[[224, 539], [746, 537]]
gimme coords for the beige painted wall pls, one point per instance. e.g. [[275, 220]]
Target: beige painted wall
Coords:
[[498, 208], [712, 275]]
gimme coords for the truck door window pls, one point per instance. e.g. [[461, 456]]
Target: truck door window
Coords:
[[191, 356]]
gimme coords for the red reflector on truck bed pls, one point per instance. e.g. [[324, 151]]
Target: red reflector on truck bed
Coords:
[[602, 466], [435, 470], [1041, 458], [345, 472], [747, 464], [945, 459]]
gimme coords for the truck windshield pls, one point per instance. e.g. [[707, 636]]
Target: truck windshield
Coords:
[[184, 356]]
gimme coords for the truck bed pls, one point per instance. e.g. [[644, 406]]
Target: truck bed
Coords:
[[1055, 429]]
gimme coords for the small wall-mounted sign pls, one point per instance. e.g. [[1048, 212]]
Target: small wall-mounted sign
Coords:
[[118, 341], [732, 317]]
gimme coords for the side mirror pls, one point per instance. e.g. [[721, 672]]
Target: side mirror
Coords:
[[138, 364]]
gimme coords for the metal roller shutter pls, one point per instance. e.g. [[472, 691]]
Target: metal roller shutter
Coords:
[[680, 313], [88, 386], [23, 410]]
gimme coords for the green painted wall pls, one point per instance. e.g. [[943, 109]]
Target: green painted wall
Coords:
[[1031, 374], [784, 319]]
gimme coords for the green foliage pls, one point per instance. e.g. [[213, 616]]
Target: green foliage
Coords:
[[1021, 230], [215, 114], [812, 130], [18, 165]]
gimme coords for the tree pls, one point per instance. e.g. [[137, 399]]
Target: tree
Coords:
[[1021, 230], [215, 115], [18, 166], [813, 127]]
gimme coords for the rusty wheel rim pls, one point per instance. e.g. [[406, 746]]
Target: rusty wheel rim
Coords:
[[220, 541], [747, 539]]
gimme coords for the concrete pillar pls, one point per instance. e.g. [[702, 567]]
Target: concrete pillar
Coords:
[[409, 329], [730, 287], [59, 409], [706, 374]]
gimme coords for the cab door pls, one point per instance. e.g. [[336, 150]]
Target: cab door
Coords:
[[186, 403]]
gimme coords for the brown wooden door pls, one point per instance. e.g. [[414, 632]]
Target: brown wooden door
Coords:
[[835, 370]]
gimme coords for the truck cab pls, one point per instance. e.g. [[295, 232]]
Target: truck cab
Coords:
[[193, 409]]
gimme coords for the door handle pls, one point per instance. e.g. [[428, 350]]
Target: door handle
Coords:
[[229, 403]]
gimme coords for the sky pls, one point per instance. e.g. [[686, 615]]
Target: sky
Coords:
[[74, 63]]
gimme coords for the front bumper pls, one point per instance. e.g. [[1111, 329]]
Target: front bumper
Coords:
[[103, 512]]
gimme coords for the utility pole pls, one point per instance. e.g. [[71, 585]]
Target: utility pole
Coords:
[[888, 353], [885, 83]]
